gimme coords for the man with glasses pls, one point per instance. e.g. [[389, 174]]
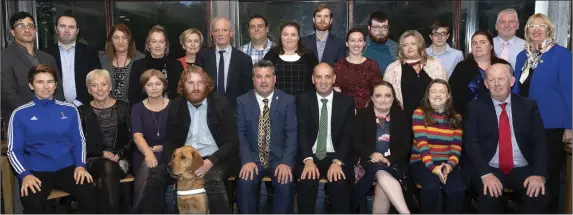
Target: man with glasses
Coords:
[[506, 45], [449, 57], [260, 44], [380, 47], [17, 60]]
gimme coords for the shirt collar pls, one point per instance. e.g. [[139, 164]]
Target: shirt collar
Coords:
[[61, 45], [325, 37], [267, 44], [447, 49], [203, 103], [23, 48], [260, 98], [510, 41], [227, 50], [497, 103], [329, 97]]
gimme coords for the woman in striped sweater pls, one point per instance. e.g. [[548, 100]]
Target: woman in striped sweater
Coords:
[[436, 151]]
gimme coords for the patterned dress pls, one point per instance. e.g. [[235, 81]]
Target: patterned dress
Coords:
[[356, 80]]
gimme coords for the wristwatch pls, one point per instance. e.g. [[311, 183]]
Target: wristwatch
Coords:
[[337, 162]]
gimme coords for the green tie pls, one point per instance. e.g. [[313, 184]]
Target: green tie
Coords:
[[322, 131]]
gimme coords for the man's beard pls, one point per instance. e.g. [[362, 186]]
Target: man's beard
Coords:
[[322, 28], [203, 95], [378, 40]]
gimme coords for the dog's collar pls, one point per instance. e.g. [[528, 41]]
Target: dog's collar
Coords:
[[190, 192]]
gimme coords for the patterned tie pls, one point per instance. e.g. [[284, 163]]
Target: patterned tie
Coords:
[[505, 148], [505, 51], [322, 131], [221, 73], [264, 134]]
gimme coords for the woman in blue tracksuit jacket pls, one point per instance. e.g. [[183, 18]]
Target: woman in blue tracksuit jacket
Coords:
[[46, 146]]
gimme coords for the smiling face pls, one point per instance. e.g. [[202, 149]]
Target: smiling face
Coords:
[[100, 88], [507, 24], [410, 48], [499, 81], [43, 85], [157, 44], [24, 30], [264, 81], [537, 30], [438, 95], [355, 43], [481, 46], [192, 44], [258, 29], [382, 98], [323, 79], [289, 38]]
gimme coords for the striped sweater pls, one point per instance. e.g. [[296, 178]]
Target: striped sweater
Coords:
[[435, 144]]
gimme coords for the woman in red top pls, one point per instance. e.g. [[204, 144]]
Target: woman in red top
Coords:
[[356, 74]]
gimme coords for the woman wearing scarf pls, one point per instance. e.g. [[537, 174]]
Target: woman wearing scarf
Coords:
[[413, 71], [543, 73]]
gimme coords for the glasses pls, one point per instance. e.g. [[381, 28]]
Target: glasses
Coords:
[[537, 26], [439, 34], [380, 28], [22, 26]]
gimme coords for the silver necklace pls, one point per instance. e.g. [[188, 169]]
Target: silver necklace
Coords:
[[153, 115]]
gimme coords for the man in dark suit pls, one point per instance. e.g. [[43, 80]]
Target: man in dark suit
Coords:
[[325, 142], [229, 67], [506, 145], [17, 60], [74, 60], [325, 46], [267, 126], [214, 136]]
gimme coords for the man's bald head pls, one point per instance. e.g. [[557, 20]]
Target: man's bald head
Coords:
[[323, 78], [500, 67], [499, 80]]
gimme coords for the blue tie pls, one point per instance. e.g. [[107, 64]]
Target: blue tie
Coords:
[[221, 73]]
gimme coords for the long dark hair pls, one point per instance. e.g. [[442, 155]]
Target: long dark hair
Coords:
[[300, 49], [381, 82], [493, 58], [451, 117]]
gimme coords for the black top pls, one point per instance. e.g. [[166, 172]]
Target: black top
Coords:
[[524, 88], [413, 88], [171, 67], [293, 77]]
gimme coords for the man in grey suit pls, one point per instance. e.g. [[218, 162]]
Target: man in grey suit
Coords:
[[17, 60]]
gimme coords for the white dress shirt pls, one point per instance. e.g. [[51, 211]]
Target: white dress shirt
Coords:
[[515, 46], [67, 59], [261, 103], [329, 145], [227, 59]]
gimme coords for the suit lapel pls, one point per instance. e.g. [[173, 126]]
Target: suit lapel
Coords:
[[516, 117], [232, 75], [58, 59], [255, 110], [212, 64], [491, 115], [275, 102], [185, 114], [314, 108], [313, 46], [335, 112], [329, 45]]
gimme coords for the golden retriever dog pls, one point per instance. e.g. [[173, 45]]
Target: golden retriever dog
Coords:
[[191, 195]]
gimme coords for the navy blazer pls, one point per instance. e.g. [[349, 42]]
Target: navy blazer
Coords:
[[550, 86], [482, 134], [334, 50], [239, 77], [283, 146]]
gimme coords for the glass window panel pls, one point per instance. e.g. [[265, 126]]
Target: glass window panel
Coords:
[[174, 16], [406, 15], [279, 12], [487, 13], [89, 14]]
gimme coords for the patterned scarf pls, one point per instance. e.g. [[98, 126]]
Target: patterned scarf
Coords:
[[534, 55]]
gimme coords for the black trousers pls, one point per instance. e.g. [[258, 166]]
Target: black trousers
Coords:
[[152, 201], [513, 180], [35, 203], [108, 175], [338, 191], [556, 161]]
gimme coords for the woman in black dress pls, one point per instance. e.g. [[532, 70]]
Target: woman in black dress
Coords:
[[382, 142]]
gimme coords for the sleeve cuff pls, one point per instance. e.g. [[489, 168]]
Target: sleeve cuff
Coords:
[[81, 164], [308, 158], [24, 174], [483, 176], [435, 169], [213, 160]]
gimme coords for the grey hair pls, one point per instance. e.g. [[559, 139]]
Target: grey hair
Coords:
[[264, 64], [507, 10], [232, 28]]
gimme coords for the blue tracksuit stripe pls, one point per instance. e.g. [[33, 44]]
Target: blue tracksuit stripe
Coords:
[[81, 137], [14, 160]]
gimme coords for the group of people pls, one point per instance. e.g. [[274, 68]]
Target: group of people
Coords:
[[298, 110]]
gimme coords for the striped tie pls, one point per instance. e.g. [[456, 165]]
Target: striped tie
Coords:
[[264, 137]]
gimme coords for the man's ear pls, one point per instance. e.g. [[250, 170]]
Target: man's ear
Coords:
[[197, 161]]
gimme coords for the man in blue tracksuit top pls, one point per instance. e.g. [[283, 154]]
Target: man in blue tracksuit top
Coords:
[[46, 146]]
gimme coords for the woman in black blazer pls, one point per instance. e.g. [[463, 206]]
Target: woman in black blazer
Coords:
[[384, 159]]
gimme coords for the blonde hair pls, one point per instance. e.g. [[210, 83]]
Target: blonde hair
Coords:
[[96, 73], [159, 29], [150, 73], [420, 43], [188, 33], [546, 20]]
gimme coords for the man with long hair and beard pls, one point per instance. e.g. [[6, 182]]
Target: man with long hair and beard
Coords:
[[325, 46], [380, 47], [213, 132]]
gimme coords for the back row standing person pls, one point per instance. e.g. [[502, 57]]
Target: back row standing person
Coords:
[[226, 65], [380, 48], [260, 44], [326, 47], [449, 57], [507, 45]]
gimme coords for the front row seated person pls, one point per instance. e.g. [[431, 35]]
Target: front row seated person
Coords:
[[506, 145], [436, 151], [46, 147], [382, 141], [267, 127], [325, 126], [107, 128], [212, 132]]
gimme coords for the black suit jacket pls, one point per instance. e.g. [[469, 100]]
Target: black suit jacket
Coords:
[[239, 78], [400, 135], [482, 133], [86, 59], [221, 122], [342, 122], [334, 50]]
